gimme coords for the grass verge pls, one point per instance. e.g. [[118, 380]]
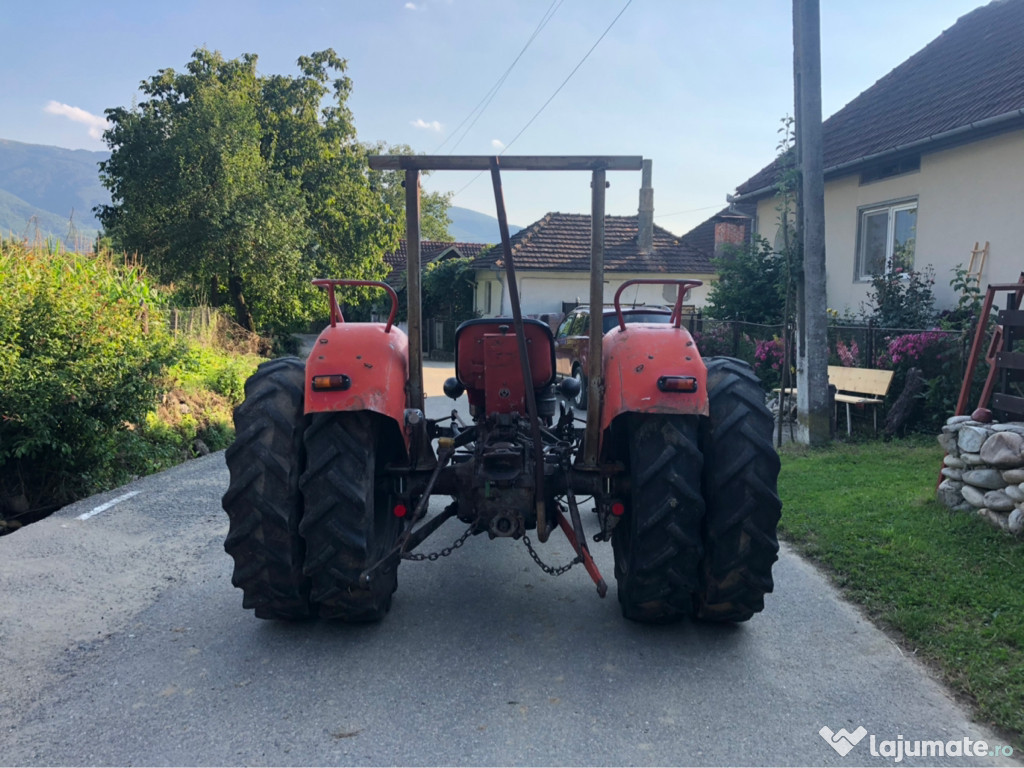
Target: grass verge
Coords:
[[949, 583], [194, 413], [191, 416]]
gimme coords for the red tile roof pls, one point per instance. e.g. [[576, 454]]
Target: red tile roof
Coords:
[[964, 85], [561, 242], [430, 250]]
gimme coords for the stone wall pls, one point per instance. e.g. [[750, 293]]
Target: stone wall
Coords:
[[983, 470]]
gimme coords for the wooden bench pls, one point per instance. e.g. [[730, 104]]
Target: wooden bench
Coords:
[[857, 386]]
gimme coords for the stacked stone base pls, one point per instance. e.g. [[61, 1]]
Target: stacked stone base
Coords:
[[983, 471]]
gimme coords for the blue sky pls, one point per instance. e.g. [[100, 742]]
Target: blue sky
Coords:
[[697, 86]]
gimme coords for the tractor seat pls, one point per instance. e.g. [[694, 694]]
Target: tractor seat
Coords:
[[470, 349]]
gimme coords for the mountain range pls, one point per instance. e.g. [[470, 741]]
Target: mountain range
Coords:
[[50, 192]]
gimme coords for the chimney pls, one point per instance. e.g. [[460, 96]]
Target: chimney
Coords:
[[730, 231], [645, 216]]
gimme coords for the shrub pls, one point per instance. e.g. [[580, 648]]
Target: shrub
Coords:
[[937, 355], [902, 299], [969, 301], [720, 339], [926, 350], [768, 357], [849, 356], [751, 285], [82, 352]]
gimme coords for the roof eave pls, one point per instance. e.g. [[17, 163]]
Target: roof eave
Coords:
[[975, 131]]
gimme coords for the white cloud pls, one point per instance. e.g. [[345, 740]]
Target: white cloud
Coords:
[[97, 125], [497, 144], [411, 6], [431, 126]]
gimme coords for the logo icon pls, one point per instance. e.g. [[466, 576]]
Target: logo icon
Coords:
[[843, 741]]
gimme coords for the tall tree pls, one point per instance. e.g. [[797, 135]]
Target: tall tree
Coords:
[[751, 285], [434, 221], [245, 187]]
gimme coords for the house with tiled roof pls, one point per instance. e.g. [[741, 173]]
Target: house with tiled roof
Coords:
[[924, 163], [430, 251], [552, 262]]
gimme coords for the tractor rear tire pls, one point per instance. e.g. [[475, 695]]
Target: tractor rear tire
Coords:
[[741, 470], [348, 524], [657, 545], [263, 502]]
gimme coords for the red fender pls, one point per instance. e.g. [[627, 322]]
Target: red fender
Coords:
[[636, 358], [369, 366]]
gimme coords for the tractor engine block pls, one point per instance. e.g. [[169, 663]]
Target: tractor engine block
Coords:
[[496, 483]]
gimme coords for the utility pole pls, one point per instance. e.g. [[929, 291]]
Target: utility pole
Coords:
[[813, 418]]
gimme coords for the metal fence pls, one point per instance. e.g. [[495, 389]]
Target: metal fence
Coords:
[[860, 346]]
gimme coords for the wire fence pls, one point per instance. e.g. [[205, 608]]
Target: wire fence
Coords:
[[858, 346]]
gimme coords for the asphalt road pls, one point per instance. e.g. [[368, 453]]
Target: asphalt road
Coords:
[[122, 642]]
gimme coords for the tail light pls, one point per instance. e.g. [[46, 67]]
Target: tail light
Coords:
[[677, 383], [337, 381]]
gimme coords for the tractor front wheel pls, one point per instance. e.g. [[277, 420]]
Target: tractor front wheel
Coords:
[[263, 502], [657, 545], [741, 470], [348, 524]]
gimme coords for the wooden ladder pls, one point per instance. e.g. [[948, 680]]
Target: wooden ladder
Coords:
[[977, 263]]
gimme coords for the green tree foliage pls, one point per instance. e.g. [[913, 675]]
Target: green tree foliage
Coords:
[[244, 187], [448, 290], [751, 285], [82, 352], [902, 299], [434, 221]]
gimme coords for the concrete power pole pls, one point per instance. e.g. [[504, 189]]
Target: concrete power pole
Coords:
[[813, 417]]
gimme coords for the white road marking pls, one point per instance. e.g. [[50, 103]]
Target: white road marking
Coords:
[[108, 505]]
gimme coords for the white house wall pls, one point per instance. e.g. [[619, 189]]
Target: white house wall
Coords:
[[543, 292], [965, 194]]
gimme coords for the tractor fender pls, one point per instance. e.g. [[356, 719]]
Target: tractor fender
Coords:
[[375, 367], [635, 358]]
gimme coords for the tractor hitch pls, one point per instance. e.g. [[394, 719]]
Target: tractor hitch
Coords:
[[405, 547]]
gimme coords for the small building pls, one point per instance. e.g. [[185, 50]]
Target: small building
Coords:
[[924, 164], [430, 251], [438, 332], [552, 262]]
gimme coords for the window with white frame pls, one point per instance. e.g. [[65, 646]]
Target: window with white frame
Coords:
[[886, 235]]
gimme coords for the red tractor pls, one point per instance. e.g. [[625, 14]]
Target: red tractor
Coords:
[[335, 461]]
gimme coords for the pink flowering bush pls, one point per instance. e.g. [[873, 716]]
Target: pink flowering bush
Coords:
[[937, 355], [849, 356], [927, 350], [768, 361]]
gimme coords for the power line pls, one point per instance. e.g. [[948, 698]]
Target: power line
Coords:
[[568, 78], [690, 210], [552, 96], [489, 96]]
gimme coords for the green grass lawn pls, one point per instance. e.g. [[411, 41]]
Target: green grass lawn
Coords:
[[949, 583]]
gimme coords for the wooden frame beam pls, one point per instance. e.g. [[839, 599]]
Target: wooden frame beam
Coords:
[[506, 162]]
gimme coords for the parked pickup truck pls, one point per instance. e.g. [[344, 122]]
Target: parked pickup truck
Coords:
[[573, 338]]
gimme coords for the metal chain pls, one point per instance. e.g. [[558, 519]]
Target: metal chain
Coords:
[[443, 553], [550, 570]]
